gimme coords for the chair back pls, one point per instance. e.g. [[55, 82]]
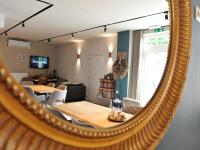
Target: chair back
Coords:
[[62, 87], [101, 101], [43, 80], [51, 85], [27, 83], [30, 92], [56, 113], [80, 123], [57, 97], [131, 106]]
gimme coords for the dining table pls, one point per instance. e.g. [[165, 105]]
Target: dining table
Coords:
[[42, 89], [90, 113]]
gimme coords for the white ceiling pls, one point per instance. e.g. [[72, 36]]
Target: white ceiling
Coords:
[[68, 16]]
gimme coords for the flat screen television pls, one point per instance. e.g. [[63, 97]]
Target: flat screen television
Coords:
[[39, 62]]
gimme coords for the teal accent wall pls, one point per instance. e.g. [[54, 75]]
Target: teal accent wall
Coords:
[[123, 45]]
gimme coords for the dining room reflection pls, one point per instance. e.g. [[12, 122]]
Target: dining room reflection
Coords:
[[90, 69]]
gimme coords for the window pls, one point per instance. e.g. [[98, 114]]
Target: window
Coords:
[[153, 57]]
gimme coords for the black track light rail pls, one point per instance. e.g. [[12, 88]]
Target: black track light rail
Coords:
[[37, 13], [102, 26], [44, 2]]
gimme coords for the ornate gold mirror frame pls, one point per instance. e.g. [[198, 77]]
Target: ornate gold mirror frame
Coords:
[[26, 125]]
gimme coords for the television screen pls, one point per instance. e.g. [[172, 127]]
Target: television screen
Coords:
[[40, 62]]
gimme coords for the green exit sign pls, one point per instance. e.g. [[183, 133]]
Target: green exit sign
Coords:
[[159, 30]]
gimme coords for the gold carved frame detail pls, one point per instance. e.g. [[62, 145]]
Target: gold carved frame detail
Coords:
[[24, 124]]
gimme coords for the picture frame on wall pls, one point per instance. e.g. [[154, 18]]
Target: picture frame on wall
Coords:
[[21, 58]]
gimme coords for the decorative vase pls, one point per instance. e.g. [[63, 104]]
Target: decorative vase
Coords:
[[116, 102]]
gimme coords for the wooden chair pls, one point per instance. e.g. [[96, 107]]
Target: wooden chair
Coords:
[[51, 85], [43, 80]]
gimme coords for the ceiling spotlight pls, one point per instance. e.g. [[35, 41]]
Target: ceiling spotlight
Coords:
[[166, 15], [49, 40], [105, 28], [23, 25], [6, 34], [72, 35]]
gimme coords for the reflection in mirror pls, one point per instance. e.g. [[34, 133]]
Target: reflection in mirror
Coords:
[[96, 78]]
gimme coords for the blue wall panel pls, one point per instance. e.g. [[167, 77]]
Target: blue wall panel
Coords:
[[123, 46]]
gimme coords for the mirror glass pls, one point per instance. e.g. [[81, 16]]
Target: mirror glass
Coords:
[[91, 63]]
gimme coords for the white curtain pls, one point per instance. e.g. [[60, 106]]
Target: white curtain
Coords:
[[134, 65]]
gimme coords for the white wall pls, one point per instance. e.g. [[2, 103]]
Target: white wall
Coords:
[[70, 68], [9, 56]]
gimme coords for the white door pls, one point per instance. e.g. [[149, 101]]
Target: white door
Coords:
[[95, 72]]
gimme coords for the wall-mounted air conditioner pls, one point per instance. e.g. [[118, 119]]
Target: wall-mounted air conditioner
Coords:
[[18, 43]]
